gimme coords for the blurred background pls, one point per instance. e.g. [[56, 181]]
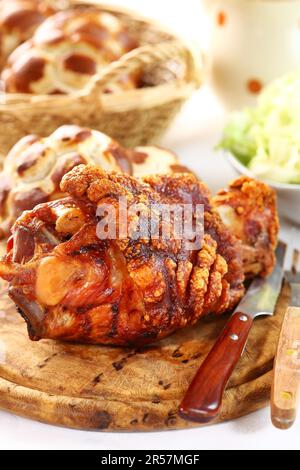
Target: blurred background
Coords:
[[187, 18]]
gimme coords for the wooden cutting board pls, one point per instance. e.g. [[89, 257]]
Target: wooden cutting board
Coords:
[[115, 389]]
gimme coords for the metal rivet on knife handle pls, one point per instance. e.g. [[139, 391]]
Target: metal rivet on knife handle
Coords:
[[234, 337]]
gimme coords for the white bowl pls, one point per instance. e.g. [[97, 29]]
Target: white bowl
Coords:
[[288, 194]]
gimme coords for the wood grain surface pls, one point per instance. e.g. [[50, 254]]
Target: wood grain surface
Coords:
[[115, 389], [286, 382]]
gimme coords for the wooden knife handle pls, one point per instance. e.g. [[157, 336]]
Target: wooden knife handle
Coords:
[[203, 399], [286, 380]]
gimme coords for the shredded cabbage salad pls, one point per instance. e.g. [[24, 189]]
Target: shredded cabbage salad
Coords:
[[266, 138]]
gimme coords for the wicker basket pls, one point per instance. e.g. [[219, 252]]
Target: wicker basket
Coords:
[[135, 117]]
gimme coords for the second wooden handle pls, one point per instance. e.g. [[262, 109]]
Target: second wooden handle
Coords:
[[203, 399], [286, 381]]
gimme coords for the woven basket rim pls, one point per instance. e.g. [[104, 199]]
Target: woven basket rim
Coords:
[[142, 97]]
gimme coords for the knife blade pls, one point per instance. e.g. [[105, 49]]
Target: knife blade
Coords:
[[203, 399], [262, 294]]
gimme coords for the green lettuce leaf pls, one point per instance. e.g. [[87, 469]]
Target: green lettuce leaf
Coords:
[[267, 138]]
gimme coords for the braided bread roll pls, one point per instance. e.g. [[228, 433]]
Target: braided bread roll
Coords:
[[18, 21], [34, 167], [66, 51]]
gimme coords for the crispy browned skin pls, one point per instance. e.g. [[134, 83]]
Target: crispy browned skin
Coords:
[[248, 208], [70, 285]]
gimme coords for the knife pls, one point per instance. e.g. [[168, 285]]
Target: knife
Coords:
[[286, 378], [203, 399]]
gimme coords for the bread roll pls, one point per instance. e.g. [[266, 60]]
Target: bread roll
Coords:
[[66, 51], [34, 167], [18, 21]]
